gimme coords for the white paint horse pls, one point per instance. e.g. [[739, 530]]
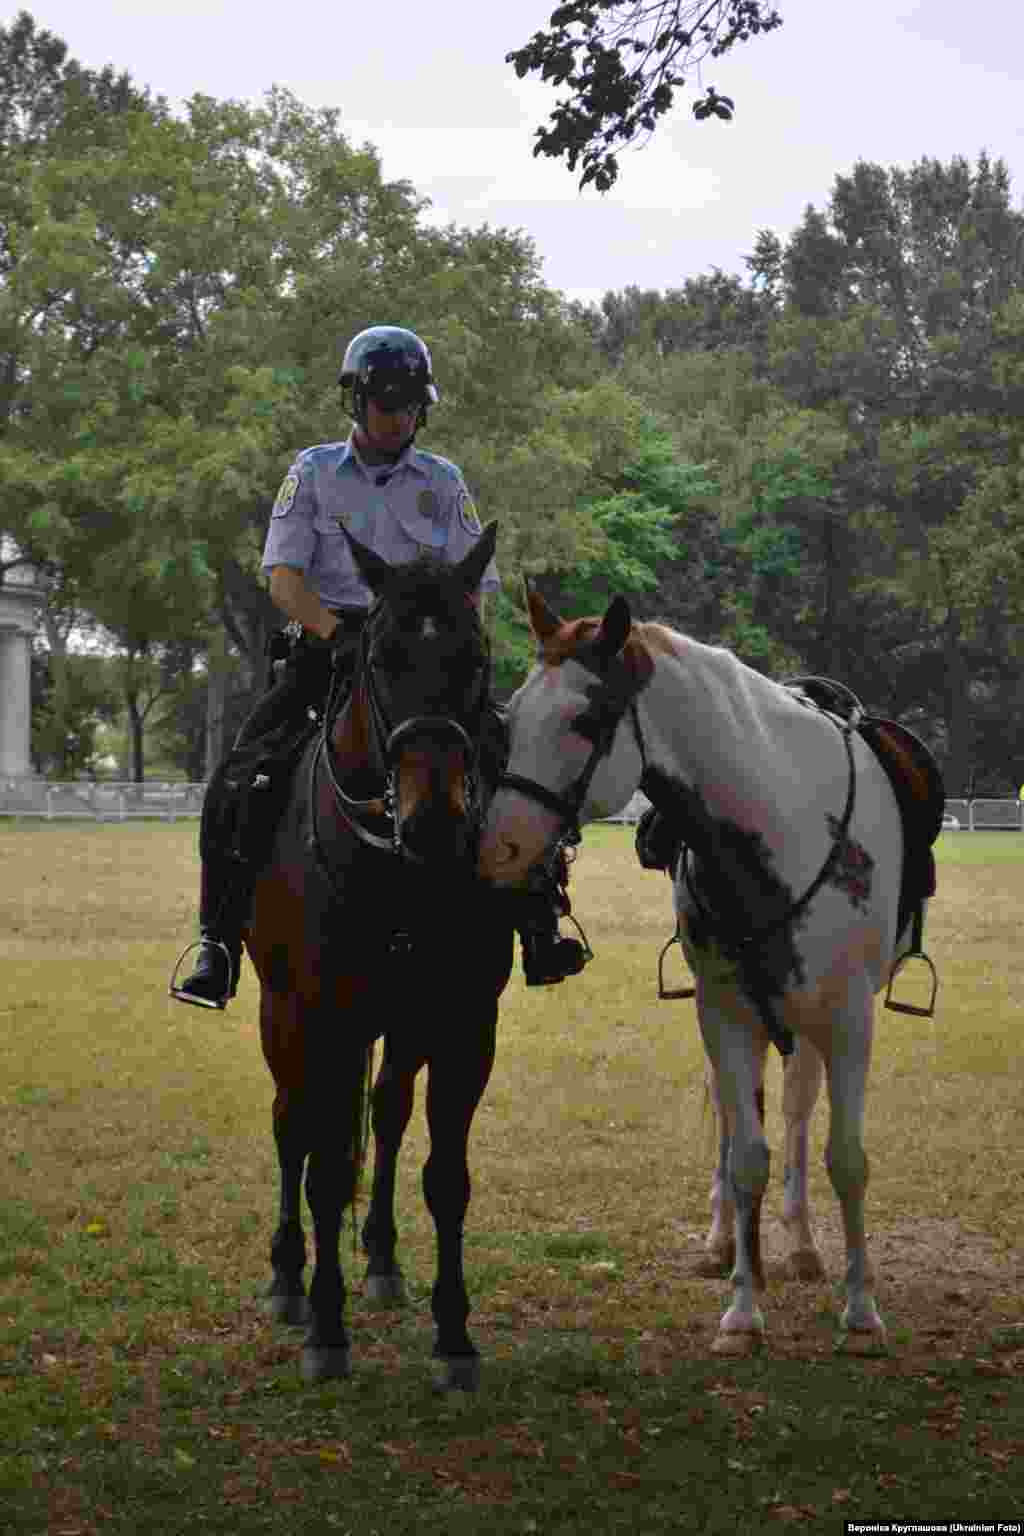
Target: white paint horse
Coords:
[[787, 901]]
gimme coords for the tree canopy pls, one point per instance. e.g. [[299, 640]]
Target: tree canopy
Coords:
[[623, 61]]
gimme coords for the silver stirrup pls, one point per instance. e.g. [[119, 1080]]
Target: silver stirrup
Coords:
[[187, 997]]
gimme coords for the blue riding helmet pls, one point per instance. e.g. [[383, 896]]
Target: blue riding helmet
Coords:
[[390, 366]]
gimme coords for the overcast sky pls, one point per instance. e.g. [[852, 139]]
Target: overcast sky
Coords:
[[884, 80]]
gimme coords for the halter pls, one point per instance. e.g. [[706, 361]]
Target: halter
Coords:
[[386, 742]]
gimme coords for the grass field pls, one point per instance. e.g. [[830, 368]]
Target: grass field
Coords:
[[142, 1391]]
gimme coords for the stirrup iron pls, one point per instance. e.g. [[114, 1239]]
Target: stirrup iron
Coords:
[[675, 992], [188, 997], [912, 1008], [915, 952]]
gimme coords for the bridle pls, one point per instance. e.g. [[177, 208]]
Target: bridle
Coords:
[[609, 701], [387, 741]]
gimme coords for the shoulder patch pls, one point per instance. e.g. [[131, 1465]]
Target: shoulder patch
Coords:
[[467, 513], [286, 496]]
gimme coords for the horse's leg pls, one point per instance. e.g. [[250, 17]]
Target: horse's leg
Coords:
[[286, 1299], [846, 1064], [720, 1244], [281, 1038], [455, 1086], [801, 1084], [734, 1038], [393, 1096], [335, 1105]]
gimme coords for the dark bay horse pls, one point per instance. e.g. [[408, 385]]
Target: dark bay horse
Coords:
[[369, 921]]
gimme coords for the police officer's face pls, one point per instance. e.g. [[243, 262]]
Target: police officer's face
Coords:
[[389, 431]]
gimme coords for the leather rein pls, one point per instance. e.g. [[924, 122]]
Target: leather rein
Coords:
[[386, 742]]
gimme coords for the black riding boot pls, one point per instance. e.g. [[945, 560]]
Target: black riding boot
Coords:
[[213, 980], [548, 956]]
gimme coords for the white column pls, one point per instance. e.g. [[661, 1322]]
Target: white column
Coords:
[[21, 594], [15, 701]]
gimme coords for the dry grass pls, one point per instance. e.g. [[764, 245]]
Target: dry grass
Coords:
[[138, 1182]]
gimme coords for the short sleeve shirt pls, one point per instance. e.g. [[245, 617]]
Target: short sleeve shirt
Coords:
[[419, 504]]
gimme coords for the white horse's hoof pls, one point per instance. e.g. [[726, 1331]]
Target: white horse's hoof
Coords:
[[866, 1342], [456, 1373], [385, 1290], [326, 1362], [738, 1344], [805, 1264]]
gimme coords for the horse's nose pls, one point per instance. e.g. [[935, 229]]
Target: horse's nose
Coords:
[[436, 835]]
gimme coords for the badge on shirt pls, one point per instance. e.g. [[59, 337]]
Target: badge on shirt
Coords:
[[285, 496], [467, 513], [428, 504]]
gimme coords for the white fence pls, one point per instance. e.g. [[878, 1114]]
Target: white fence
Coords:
[[168, 802], [99, 802]]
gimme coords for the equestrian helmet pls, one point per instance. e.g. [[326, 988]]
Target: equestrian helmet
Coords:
[[390, 366]]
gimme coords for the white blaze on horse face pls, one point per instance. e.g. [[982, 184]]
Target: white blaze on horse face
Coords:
[[547, 750]]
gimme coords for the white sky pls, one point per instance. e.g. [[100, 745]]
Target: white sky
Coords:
[[426, 82]]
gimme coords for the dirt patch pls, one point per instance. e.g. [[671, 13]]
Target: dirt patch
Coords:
[[944, 1290]]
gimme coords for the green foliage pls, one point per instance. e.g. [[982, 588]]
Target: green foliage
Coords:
[[639, 524], [71, 696], [623, 64]]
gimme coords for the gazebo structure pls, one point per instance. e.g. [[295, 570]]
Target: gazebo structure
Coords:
[[21, 594]]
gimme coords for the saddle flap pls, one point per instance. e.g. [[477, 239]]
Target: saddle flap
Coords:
[[914, 775]]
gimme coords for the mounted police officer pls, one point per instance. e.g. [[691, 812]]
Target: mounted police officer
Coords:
[[400, 501]]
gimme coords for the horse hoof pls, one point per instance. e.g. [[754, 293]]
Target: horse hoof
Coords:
[[386, 1290], [715, 1264], [294, 1310], [865, 1342], [456, 1372], [325, 1362], [737, 1344], [805, 1264]]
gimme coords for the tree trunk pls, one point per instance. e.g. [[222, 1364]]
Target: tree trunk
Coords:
[[57, 640], [216, 694], [138, 765], [958, 709]]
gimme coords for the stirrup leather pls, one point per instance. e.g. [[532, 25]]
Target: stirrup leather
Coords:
[[189, 997]]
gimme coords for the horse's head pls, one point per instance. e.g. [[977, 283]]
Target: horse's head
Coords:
[[423, 684], [571, 758]]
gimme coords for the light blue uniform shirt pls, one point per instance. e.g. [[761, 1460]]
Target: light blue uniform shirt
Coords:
[[418, 504]]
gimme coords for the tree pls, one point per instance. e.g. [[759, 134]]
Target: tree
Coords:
[[623, 61], [898, 320]]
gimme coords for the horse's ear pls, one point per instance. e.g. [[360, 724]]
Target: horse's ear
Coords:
[[375, 571], [471, 567], [543, 620], [614, 631]]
